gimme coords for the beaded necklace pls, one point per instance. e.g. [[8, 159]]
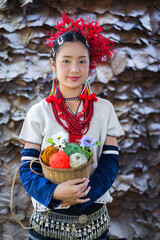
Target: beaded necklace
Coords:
[[71, 99], [73, 124]]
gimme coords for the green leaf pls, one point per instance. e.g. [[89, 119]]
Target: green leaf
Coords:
[[50, 140], [86, 148], [88, 153], [98, 143]]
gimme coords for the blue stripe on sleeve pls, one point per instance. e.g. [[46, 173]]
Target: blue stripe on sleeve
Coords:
[[32, 152]]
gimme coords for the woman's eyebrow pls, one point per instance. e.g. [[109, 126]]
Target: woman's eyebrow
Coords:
[[71, 56]]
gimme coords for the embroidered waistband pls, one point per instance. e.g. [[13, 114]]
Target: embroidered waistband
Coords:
[[65, 227]]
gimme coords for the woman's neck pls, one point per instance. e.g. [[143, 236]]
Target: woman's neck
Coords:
[[70, 92]]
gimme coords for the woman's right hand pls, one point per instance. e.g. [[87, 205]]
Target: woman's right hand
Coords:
[[71, 191]]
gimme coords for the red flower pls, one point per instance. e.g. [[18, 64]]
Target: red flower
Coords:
[[101, 47]]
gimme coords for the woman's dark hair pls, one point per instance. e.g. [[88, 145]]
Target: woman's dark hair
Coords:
[[69, 37]]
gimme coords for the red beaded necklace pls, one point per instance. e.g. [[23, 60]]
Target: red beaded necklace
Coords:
[[73, 124]]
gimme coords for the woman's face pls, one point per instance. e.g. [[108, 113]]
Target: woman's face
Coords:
[[72, 65]]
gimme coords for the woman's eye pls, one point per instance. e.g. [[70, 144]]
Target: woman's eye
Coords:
[[82, 61], [66, 61]]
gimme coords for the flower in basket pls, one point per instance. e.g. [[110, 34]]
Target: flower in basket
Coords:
[[69, 155], [60, 137]]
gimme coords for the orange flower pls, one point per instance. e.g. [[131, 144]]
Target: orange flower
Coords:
[[59, 160]]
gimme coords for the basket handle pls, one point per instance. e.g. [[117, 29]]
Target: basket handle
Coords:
[[11, 200], [37, 161], [92, 160]]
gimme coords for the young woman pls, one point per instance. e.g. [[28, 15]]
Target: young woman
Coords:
[[77, 207]]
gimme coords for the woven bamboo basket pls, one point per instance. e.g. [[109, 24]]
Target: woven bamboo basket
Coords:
[[59, 175]]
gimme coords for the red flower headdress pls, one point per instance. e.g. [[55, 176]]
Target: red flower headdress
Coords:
[[101, 47]]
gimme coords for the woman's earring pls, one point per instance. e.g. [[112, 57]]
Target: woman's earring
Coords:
[[87, 92], [87, 89], [53, 90]]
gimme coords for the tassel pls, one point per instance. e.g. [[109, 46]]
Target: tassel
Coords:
[[53, 87]]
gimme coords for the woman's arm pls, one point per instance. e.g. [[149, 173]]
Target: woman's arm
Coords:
[[103, 177], [32, 145], [44, 190], [35, 185], [111, 141]]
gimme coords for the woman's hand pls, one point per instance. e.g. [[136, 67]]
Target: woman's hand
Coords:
[[71, 191]]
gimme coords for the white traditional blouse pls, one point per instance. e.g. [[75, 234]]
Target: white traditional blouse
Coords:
[[40, 124]]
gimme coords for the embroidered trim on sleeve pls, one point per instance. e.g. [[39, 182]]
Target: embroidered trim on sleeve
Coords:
[[28, 158], [110, 152]]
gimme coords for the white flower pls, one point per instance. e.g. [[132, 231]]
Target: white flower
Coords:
[[60, 145], [60, 137], [77, 159]]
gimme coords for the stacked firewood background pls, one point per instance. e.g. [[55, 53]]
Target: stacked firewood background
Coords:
[[130, 81]]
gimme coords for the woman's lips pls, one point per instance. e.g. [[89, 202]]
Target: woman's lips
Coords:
[[74, 78]]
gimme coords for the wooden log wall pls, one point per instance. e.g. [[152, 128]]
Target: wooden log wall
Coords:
[[130, 81]]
